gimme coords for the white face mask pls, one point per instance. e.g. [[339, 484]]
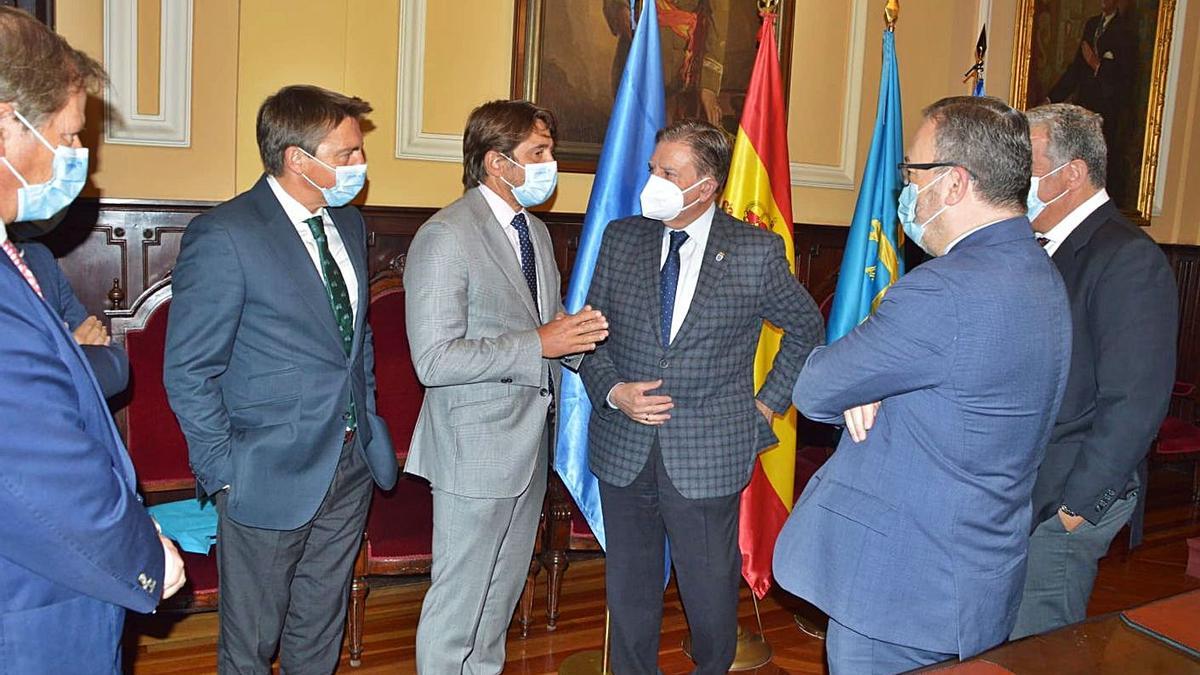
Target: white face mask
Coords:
[[663, 200], [1034, 204]]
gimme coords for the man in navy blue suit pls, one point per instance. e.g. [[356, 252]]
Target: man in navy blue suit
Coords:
[[913, 536], [270, 369], [78, 548], [110, 364]]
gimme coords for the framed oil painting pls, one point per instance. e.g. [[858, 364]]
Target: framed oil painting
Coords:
[[1109, 56], [569, 56]]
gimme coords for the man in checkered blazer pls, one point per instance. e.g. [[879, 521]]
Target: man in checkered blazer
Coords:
[[677, 423]]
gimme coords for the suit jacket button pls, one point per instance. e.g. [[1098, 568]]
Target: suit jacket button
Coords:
[[346, 416], [543, 392], [663, 363], [506, 380]]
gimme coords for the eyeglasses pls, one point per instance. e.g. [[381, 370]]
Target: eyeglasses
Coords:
[[905, 167]]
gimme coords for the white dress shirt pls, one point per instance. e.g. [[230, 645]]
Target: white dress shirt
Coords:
[[337, 248], [1059, 233], [691, 255], [504, 215]]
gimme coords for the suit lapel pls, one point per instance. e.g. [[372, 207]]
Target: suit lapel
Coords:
[[283, 243], [1067, 253], [717, 258], [497, 245], [648, 273], [548, 295]]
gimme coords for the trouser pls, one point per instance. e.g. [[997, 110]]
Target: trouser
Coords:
[[481, 553], [1062, 568], [288, 589], [703, 542]]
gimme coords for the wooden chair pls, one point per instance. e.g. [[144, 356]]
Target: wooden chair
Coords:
[[155, 443], [399, 535]]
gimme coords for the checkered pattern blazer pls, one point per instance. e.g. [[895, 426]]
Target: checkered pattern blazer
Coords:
[[715, 431]]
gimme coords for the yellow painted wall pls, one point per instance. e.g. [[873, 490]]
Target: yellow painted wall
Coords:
[[205, 170], [245, 49]]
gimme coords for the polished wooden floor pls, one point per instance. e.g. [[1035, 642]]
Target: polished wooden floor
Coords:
[[187, 644]]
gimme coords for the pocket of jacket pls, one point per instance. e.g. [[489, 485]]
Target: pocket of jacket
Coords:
[[854, 504], [492, 410]]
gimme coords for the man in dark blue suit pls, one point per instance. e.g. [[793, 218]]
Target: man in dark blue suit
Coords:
[[1125, 312], [270, 369], [913, 536], [78, 548], [110, 364]]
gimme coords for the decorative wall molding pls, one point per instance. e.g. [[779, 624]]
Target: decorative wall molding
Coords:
[[1169, 104], [843, 175], [172, 126], [411, 141]]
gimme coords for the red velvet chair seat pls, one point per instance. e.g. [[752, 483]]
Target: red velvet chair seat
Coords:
[[400, 523], [1177, 437]]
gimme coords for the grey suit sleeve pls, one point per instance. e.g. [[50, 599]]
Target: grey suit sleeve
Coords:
[[900, 348], [208, 292], [597, 370], [436, 305], [1133, 314], [789, 306]]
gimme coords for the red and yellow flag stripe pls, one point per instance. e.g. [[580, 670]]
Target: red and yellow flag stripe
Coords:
[[759, 191]]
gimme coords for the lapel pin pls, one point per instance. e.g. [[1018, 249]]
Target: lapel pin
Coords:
[[720, 256]]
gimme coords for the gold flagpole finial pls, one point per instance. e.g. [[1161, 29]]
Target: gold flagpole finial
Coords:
[[768, 6], [890, 13]]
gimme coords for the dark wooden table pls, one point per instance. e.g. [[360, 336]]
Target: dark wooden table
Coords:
[[1101, 645]]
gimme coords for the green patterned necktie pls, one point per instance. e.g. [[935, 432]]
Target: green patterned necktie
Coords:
[[339, 296]]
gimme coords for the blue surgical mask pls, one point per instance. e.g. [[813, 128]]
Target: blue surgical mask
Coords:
[[348, 182], [1034, 204], [906, 210], [540, 180], [43, 201]]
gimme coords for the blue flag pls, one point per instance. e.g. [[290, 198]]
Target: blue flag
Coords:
[[874, 257], [637, 115]]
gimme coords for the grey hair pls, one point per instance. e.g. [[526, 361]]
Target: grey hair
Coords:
[[990, 140], [710, 147], [1074, 133]]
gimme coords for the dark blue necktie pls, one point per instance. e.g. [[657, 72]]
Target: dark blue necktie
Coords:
[[668, 281], [527, 264]]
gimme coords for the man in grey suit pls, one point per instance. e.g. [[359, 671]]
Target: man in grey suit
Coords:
[[485, 328], [676, 424], [269, 368]]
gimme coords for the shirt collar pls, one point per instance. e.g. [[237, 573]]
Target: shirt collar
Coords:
[[500, 208], [1059, 233], [699, 228], [964, 235], [3, 232], [296, 212]]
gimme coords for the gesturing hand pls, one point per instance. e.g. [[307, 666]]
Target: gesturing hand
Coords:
[[573, 333], [634, 399], [860, 419]]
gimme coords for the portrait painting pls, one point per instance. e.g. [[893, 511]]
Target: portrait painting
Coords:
[[1109, 56], [569, 57]]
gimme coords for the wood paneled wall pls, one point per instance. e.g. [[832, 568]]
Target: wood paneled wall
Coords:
[[112, 251]]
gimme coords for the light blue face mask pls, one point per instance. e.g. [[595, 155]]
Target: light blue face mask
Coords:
[[906, 210], [43, 201], [348, 182], [540, 180], [1034, 204]]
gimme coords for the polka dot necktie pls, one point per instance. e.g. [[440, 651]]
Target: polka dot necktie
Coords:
[[339, 296], [528, 269], [667, 282], [1042, 241]]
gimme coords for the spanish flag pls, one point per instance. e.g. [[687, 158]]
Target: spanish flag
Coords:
[[759, 192]]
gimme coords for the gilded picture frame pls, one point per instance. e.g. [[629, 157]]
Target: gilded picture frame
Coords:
[[568, 56], [1049, 44]]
